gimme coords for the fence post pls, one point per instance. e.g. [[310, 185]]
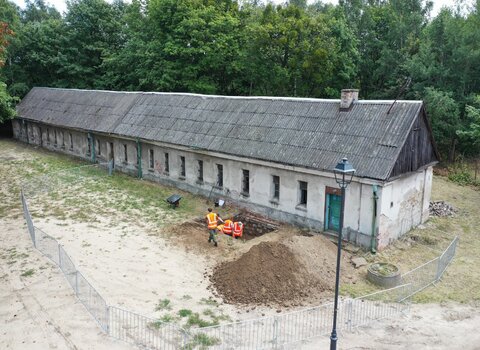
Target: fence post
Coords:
[[107, 319], [275, 332], [59, 256], [76, 282], [439, 268], [350, 315]]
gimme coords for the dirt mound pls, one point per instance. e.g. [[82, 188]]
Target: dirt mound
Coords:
[[267, 273], [319, 256], [291, 272]]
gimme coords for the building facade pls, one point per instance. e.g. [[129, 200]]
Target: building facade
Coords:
[[271, 155]]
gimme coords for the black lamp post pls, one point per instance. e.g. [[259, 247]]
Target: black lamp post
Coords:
[[343, 176]]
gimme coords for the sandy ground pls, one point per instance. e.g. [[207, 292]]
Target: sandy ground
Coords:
[[40, 311]]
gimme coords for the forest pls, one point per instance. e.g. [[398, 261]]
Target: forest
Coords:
[[386, 48]]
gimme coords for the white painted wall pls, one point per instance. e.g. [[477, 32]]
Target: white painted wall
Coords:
[[402, 204]]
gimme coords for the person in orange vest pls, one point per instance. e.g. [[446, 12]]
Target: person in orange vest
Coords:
[[228, 227], [237, 229], [212, 222]]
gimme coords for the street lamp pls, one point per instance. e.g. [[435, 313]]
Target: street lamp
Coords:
[[343, 176]]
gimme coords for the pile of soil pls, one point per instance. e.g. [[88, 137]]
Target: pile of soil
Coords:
[[268, 272], [287, 273]]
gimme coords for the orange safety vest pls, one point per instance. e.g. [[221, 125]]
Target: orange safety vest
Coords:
[[228, 227], [237, 230], [212, 221]]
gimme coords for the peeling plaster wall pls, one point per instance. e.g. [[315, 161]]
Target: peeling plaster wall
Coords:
[[404, 205], [409, 195]]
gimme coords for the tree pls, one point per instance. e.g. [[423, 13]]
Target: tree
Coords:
[[444, 114], [7, 110], [472, 131], [92, 30]]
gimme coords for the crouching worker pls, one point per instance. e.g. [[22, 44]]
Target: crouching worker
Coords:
[[212, 222], [228, 227], [237, 229]]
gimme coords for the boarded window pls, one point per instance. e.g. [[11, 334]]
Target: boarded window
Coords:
[[167, 164], [219, 175], [200, 171], [276, 187], [151, 159], [182, 166], [245, 182], [303, 192]]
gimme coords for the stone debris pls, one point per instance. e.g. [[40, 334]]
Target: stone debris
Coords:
[[441, 208], [359, 262]]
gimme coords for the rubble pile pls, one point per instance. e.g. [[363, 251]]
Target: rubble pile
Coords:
[[441, 208]]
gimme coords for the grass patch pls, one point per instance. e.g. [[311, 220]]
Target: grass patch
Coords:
[[195, 320], [184, 312], [201, 341], [209, 301], [164, 304], [28, 273]]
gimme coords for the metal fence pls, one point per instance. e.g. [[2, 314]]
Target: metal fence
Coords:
[[264, 333], [424, 275]]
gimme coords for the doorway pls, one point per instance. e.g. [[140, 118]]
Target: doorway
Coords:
[[333, 205]]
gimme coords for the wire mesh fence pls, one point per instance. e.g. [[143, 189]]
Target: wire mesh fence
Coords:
[[144, 331], [263, 333]]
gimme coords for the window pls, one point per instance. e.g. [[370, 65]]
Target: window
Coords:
[[167, 164], [200, 171], [89, 146], [98, 148], [48, 136], [276, 187], [55, 137], [151, 159], [182, 166], [63, 139], [303, 190], [125, 153], [245, 182], [71, 141], [220, 175]]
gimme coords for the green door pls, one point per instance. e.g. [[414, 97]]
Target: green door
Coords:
[[334, 203]]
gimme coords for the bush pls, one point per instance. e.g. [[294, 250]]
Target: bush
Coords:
[[462, 178]]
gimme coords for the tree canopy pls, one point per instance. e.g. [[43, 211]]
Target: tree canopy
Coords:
[[251, 47]]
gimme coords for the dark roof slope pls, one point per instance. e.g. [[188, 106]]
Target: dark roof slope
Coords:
[[308, 133]]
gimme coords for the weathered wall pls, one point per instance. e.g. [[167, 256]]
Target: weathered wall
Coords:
[[408, 194], [404, 205]]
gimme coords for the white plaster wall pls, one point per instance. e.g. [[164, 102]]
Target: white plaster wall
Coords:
[[403, 203], [261, 184], [359, 202]]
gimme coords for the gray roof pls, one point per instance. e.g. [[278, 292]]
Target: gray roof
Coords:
[[309, 133]]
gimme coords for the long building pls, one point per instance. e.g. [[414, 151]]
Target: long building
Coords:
[[273, 155]]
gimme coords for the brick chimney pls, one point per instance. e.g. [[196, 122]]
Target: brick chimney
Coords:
[[347, 98]]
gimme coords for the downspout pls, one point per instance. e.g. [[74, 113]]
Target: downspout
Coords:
[[92, 147], [139, 159], [373, 245]]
